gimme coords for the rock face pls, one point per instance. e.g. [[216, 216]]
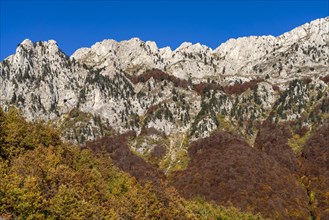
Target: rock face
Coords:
[[243, 58], [195, 86]]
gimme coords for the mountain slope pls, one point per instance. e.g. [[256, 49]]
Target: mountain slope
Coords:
[[223, 168], [269, 93], [43, 178]]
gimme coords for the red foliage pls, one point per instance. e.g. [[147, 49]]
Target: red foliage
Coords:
[[316, 153], [125, 159], [307, 80], [225, 169], [202, 87], [157, 75], [240, 88], [302, 131], [315, 166], [276, 88], [272, 139], [152, 109], [325, 79], [158, 151]]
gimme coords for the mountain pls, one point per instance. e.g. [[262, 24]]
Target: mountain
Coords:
[[269, 96]]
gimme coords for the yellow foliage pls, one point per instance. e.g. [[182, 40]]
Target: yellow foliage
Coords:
[[224, 124], [296, 142], [17, 135], [42, 178], [204, 210]]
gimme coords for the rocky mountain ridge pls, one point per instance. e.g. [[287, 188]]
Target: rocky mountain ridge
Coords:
[[133, 85], [234, 58]]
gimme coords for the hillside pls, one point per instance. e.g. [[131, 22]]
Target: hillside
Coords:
[[44, 178]]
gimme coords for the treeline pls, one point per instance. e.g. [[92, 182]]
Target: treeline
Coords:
[[44, 178]]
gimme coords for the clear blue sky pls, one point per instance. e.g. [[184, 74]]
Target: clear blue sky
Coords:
[[74, 24]]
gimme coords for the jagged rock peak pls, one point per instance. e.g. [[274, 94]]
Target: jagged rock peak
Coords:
[[314, 30], [27, 45], [188, 47]]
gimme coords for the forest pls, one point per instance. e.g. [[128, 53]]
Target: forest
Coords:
[[43, 177]]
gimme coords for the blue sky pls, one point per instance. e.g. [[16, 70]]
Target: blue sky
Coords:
[[74, 24]]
